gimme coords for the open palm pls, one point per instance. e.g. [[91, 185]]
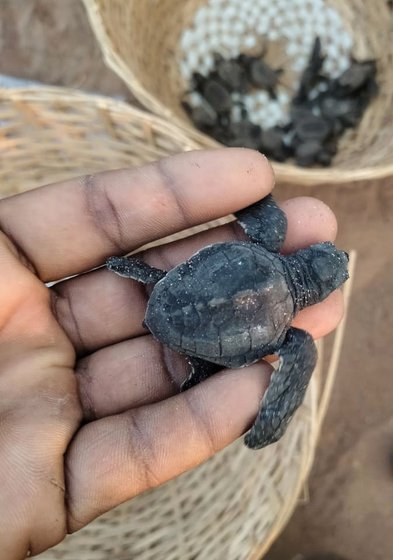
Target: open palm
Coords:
[[90, 410]]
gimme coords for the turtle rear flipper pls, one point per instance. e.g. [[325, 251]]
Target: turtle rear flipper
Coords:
[[288, 385], [200, 370]]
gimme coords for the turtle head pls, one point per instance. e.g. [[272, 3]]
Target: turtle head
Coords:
[[329, 267], [316, 272]]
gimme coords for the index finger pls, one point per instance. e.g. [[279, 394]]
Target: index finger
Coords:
[[71, 227]]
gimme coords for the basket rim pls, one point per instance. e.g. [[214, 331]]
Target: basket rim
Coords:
[[63, 94], [288, 172], [284, 172]]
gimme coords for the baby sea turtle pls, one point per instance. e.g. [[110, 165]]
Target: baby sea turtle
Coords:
[[203, 116], [260, 74], [312, 74], [273, 145], [230, 73], [357, 76], [232, 303], [243, 133], [310, 152], [214, 92]]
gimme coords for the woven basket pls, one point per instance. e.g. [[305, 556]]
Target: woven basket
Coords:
[[235, 504], [140, 42]]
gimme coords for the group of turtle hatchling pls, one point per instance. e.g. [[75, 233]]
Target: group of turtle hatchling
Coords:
[[321, 110]]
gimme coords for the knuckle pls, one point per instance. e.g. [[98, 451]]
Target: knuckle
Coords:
[[85, 388], [64, 312], [142, 452], [171, 190], [103, 211], [204, 425]]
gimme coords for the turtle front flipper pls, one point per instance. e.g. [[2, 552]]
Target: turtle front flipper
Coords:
[[135, 269], [200, 370], [265, 223], [298, 357]]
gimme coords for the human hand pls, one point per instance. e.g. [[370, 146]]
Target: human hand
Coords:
[[90, 410]]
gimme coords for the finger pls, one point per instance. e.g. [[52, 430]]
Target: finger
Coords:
[[309, 221], [114, 459], [322, 318], [141, 371], [100, 309], [127, 375], [71, 227]]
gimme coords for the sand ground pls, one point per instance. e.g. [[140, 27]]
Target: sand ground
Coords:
[[350, 506]]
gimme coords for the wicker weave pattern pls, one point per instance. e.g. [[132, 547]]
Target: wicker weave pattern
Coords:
[[235, 504], [140, 42], [231, 507], [52, 133]]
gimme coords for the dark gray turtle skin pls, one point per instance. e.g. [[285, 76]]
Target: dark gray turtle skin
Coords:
[[218, 306], [232, 303]]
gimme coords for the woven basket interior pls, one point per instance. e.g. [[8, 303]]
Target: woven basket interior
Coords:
[[235, 504], [144, 43]]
